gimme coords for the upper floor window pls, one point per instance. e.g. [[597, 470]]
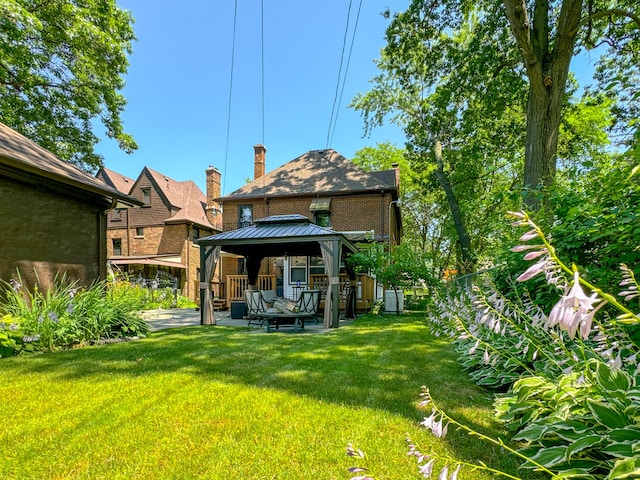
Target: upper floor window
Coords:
[[323, 219], [139, 231], [245, 215], [117, 246], [195, 234], [116, 214], [146, 196]]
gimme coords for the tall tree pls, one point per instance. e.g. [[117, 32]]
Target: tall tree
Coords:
[[434, 84], [491, 48], [62, 64], [547, 34]]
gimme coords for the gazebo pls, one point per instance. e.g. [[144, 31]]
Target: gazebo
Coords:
[[275, 236]]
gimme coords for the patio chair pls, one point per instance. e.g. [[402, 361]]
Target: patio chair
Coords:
[[309, 302], [256, 306]]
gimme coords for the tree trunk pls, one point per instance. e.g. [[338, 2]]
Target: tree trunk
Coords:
[[543, 126], [463, 236], [546, 60]]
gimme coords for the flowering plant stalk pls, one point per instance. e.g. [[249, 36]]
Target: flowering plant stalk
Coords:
[[574, 299]]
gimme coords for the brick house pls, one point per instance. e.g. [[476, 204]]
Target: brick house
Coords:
[[325, 187], [159, 235], [53, 214]]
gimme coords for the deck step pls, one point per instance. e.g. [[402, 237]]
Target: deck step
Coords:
[[219, 304]]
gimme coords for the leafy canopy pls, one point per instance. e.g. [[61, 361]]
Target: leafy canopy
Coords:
[[61, 67]]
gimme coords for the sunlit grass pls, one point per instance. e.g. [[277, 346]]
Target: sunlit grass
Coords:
[[222, 402]]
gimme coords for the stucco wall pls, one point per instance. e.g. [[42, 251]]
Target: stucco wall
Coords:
[[47, 232]]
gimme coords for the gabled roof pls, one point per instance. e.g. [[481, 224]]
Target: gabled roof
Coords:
[[192, 206], [116, 180], [324, 172], [187, 201], [172, 190], [22, 154]]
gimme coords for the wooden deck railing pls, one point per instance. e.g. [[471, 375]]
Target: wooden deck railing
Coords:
[[237, 284], [365, 293]]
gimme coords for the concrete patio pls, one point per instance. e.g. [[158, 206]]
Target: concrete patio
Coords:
[[161, 319]]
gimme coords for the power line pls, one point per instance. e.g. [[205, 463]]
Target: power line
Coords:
[[346, 71], [233, 54], [334, 113]]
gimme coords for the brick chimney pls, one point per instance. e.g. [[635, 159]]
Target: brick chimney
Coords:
[[396, 167], [214, 210], [259, 160]]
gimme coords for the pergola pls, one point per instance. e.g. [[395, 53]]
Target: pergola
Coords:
[[275, 236]]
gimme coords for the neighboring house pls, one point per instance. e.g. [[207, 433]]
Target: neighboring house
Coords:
[[325, 187], [157, 239], [53, 215]]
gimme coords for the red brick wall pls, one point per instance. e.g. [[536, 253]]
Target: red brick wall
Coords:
[[159, 240], [48, 230], [348, 213]]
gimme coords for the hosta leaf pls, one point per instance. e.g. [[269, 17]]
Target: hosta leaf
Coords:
[[577, 473], [620, 449], [551, 456], [530, 385], [530, 433], [569, 430], [608, 416], [625, 469], [583, 443], [631, 432]]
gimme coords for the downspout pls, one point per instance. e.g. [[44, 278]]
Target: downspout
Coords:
[[382, 214], [128, 236], [102, 242], [187, 262]]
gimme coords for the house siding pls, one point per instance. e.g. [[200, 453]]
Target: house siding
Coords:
[[47, 232]]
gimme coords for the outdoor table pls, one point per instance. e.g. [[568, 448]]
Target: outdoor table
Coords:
[[289, 319]]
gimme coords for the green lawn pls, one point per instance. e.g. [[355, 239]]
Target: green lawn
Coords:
[[227, 403]]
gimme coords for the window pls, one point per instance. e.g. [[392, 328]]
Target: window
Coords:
[[117, 214], [139, 231], [245, 215], [323, 219], [146, 197], [117, 246], [298, 270], [316, 266], [195, 234]]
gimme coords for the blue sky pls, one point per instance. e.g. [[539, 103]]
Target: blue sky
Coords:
[[178, 84], [179, 77]]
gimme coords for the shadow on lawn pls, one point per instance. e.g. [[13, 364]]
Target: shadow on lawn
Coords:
[[376, 363]]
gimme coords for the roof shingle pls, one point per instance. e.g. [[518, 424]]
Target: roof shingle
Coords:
[[323, 172], [19, 152]]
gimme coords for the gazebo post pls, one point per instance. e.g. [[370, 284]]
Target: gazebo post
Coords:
[[335, 285]]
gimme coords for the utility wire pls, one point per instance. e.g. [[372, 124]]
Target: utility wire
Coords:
[[233, 55], [346, 71], [335, 97]]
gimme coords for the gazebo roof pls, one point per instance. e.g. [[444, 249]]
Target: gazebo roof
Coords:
[[276, 236]]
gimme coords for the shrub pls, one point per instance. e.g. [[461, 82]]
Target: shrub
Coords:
[[573, 396], [65, 315]]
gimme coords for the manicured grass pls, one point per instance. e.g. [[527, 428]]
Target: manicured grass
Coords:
[[228, 403]]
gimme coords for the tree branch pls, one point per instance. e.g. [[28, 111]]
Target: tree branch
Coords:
[[611, 11], [521, 28]]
